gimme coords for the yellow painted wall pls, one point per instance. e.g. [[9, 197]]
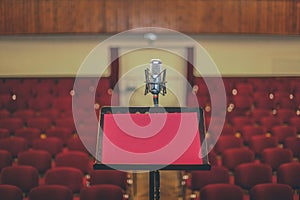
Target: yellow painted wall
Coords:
[[235, 55]]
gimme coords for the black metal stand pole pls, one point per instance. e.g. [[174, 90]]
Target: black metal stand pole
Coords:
[[151, 185], [154, 176]]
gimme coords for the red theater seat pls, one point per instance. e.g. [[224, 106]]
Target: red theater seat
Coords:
[[217, 174], [276, 156], [39, 159], [11, 123], [63, 103], [283, 132], [228, 130], [5, 98], [269, 122], [285, 115], [271, 191], [24, 114], [75, 144], [10, 192], [213, 158], [61, 132], [112, 177], [52, 144], [293, 143], [243, 104], [240, 121], [41, 102], [24, 177], [5, 159], [101, 192], [66, 122], [289, 173], [50, 113], [263, 100], [3, 112], [66, 176], [295, 122], [50, 192], [233, 157], [42, 123], [63, 86], [244, 89], [227, 142], [248, 175], [258, 143], [14, 145], [4, 133], [284, 100], [76, 159], [258, 113], [29, 134], [249, 131], [221, 191]]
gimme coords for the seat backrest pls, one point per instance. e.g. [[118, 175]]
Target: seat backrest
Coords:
[[14, 145], [30, 134], [258, 143], [293, 143], [227, 142], [101, 192], [40, 159], [276, 156], [289, 173], [4, 133], [271, 191], [233, 157], [50, 192], [24, 177], [76, 159], [113, 177], [221, 191], [10, 192], [249, 174], [51, 144], [282, 132], [216, 174], [66, 176], [5, 159]]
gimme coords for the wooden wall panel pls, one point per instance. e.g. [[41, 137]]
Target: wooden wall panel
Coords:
[[113, 16]]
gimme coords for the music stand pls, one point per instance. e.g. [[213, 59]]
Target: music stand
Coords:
[[115, 143]]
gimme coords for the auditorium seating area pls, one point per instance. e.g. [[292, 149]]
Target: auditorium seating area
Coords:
[[258, 141], [40, 151]]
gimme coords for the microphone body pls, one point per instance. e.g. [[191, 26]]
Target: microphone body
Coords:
[[155, 78]]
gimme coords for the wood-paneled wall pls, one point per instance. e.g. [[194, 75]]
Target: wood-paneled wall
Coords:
[[112, 16]]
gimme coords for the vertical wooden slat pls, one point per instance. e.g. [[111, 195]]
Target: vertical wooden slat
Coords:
[[114, 56], [297, 18]]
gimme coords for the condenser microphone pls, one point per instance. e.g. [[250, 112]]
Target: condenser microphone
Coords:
[[155, 79]]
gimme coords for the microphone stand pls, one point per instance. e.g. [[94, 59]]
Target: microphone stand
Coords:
[[154, 176]]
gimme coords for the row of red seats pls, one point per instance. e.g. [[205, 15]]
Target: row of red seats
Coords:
[[257, 144], [51, 93], [26, 180], [60, 192], [264, 191], [53, 145], [246, 175], [247, 85], [43, 124], [56, 86], [32, 168], [232, 157]]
